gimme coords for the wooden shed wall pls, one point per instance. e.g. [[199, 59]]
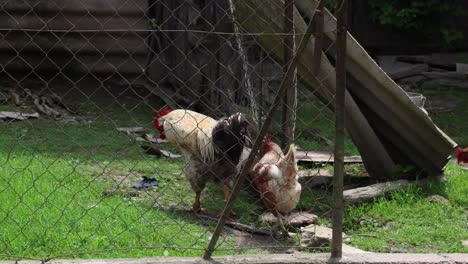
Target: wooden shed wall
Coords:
[[85, 36]]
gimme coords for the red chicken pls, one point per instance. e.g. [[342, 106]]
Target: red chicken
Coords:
[[275, 177], [212, 148], [462, 155]]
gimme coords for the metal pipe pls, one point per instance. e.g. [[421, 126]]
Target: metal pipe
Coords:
[[337, 234]]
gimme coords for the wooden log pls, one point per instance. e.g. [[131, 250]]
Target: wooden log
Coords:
[[445, 83], [408, 71], [368, 193], [417, 79], [446, 75], [446, 79], [427, 60]]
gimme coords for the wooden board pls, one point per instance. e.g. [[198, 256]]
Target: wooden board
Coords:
[[323, 157]]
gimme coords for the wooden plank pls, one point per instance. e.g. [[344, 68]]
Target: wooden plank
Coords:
[[323, 157]]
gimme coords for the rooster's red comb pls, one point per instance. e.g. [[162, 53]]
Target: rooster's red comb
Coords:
[[166, 110]]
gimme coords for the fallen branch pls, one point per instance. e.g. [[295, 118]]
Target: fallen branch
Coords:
[[17, 115], [57, 100], [130, 130], [39, 107], [49, 109], [150, 150], [241, 227], [16, 97]]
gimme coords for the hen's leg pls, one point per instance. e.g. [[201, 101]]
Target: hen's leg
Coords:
[[227, 192], [284, 232], [197, 205]]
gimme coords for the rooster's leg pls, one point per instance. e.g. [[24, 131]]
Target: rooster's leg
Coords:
[[227, 193], [197, 205]]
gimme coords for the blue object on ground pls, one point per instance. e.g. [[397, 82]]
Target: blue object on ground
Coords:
[[146, 182]]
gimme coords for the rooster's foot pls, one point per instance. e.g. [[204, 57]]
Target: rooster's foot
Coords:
[[197, 209], [231, 214]]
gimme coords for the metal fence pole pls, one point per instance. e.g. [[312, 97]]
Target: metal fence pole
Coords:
[[337, 240], [245, 170], [318, 38]]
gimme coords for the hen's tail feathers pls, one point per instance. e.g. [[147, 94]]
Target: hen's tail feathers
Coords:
[[290, 159]]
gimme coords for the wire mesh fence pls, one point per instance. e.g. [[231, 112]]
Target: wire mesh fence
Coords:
[[95, 160]]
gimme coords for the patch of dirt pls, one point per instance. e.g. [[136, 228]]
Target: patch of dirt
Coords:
[[121, 178], [252, 241]]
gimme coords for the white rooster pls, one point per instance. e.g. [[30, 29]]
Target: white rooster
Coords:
[[212, 148]]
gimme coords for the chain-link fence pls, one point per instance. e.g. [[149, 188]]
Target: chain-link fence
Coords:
[[85, 173]]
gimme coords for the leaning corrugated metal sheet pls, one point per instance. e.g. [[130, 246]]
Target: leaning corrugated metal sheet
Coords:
[[385, 125], [73, 36]]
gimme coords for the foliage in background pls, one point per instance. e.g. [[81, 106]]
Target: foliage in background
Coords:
[[418, 15]]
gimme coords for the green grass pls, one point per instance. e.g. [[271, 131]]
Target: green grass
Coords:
[[53, 174], [407, 222], [52, 179], [51, 208]]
